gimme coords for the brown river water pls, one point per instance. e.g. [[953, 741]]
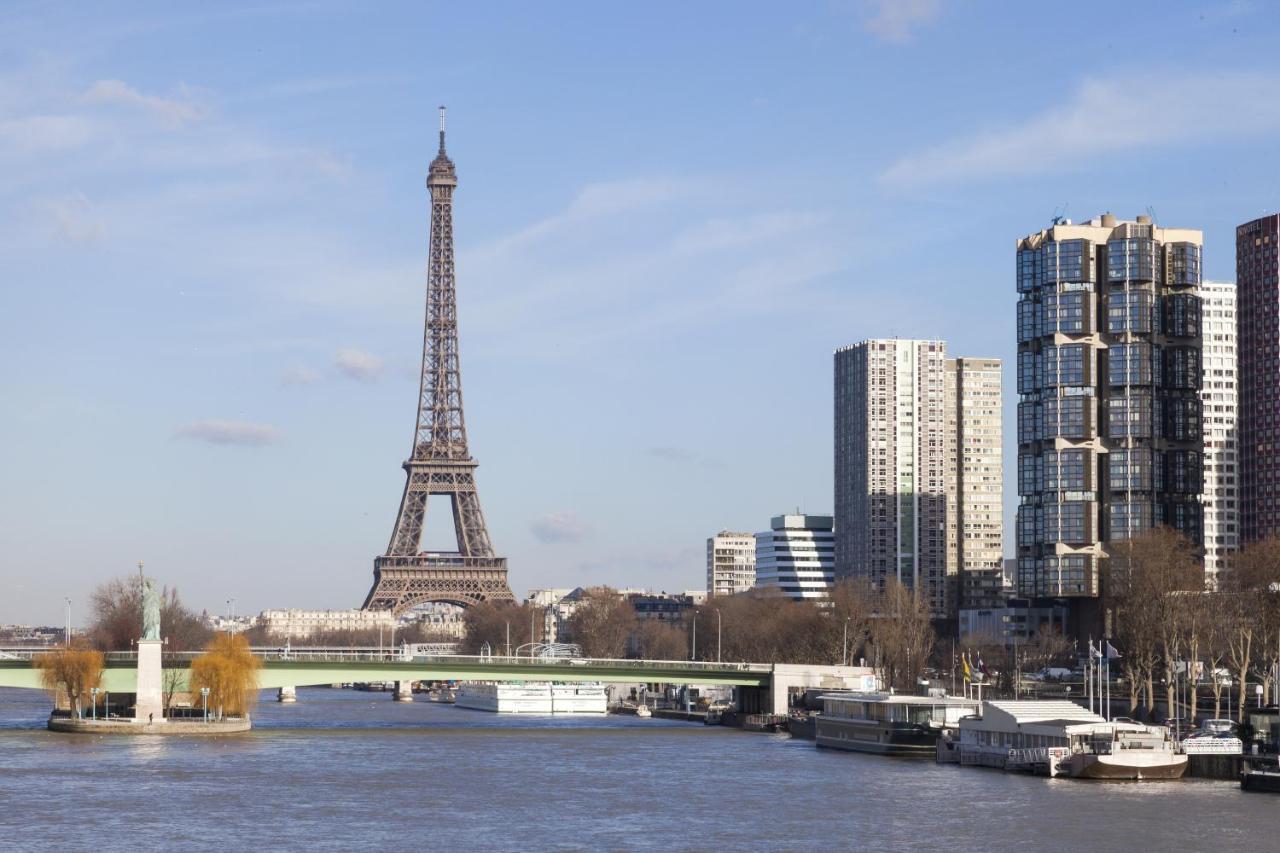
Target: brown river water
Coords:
[[344, 770]]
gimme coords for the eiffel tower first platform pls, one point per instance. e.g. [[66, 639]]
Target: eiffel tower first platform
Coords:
[[440, 464]]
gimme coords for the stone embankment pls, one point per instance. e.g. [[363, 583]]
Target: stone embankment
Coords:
[[192, 728]]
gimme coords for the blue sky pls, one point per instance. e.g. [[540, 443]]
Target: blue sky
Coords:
[[213, 230]]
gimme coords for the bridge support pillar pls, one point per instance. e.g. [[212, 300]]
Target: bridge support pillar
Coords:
[[404, 691], [287, 695]]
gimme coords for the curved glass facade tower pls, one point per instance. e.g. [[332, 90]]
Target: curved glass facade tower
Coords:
[[1109, 419]]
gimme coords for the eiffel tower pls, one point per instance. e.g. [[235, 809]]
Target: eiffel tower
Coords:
[[440, 464]]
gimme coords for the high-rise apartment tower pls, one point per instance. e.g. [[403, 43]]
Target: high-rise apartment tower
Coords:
[[1109, 418], [1258, 347], [975, 480], [917, 466], [1218, 400]]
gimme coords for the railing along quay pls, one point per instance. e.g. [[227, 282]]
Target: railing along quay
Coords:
[[397, 656], [387, 655]]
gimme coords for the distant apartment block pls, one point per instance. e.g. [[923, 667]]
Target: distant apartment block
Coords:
[[301, 624], [1218, 401], [1110, 438], [796, 555], [1258, 348], [918, 467], [731, 563]]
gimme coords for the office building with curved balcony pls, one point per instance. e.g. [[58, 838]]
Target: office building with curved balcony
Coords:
[[1109, 415]]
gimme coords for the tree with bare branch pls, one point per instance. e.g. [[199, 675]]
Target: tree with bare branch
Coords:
[[493, 624], [602, 623], [1148, 585], [902, 632], [116, 608]]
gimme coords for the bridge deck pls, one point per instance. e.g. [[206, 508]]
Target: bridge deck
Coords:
[[298, 668]]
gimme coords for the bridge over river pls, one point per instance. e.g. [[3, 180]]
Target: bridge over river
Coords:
[[765, 685]]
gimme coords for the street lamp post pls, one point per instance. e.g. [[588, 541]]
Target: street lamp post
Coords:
[[204, 699], [844, 644], [693, 653], [717, 610], [508, 638], [66, 637], [94, 692]]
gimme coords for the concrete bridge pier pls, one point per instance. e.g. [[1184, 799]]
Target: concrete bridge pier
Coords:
[[404, 691], [287, 695]]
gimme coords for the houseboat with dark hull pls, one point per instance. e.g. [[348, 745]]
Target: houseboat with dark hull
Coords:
[[888, 723]]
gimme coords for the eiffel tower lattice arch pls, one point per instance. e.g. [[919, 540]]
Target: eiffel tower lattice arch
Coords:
[[441, 463]]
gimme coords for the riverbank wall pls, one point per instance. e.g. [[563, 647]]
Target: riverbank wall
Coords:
[[192, 728]]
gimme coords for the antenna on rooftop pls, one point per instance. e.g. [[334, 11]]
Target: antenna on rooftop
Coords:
[[1060, 213]]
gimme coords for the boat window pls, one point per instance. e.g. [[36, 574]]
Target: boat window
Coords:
[[921, 713]]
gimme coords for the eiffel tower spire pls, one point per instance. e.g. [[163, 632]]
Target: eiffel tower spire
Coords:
[[440, 462]]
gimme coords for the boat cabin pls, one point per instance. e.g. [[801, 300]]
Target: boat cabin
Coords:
[[934, 711]]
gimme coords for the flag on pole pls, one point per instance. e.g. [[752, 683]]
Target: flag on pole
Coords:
[[1112, 654], [964, 662]]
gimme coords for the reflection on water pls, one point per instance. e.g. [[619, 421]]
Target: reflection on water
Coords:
[[342, 769]]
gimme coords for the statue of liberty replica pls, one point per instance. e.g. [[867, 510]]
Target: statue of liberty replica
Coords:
[[149, 706]]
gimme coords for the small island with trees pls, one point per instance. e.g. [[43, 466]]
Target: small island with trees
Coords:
[[211, 693]]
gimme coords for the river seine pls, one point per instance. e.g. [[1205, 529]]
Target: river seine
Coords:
[[343, 770]]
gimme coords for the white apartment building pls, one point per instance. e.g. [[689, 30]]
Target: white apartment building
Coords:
[[300, 624], [557, 606], [1218, 399], [975, 481], [797, 556], [731, 563], [918, 469]]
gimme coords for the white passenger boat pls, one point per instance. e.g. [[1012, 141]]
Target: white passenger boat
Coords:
[[1060, 738], [535, 698], [888, 723], [585, 698]]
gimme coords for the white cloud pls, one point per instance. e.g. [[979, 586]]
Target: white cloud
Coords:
[[559, 527], [299, 376], [595, 202], [172, 111], [893, 20], [639, 258], [74, 219], [241, 433], [1105, 116], [358, 365], [722, 233]]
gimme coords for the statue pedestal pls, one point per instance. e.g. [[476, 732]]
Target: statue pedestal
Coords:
[[150, 703]]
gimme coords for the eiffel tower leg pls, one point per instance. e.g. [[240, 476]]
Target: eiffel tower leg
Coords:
[[406, 538], [468, 521]]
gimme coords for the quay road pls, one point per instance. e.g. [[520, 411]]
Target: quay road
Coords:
[[286, 668]]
